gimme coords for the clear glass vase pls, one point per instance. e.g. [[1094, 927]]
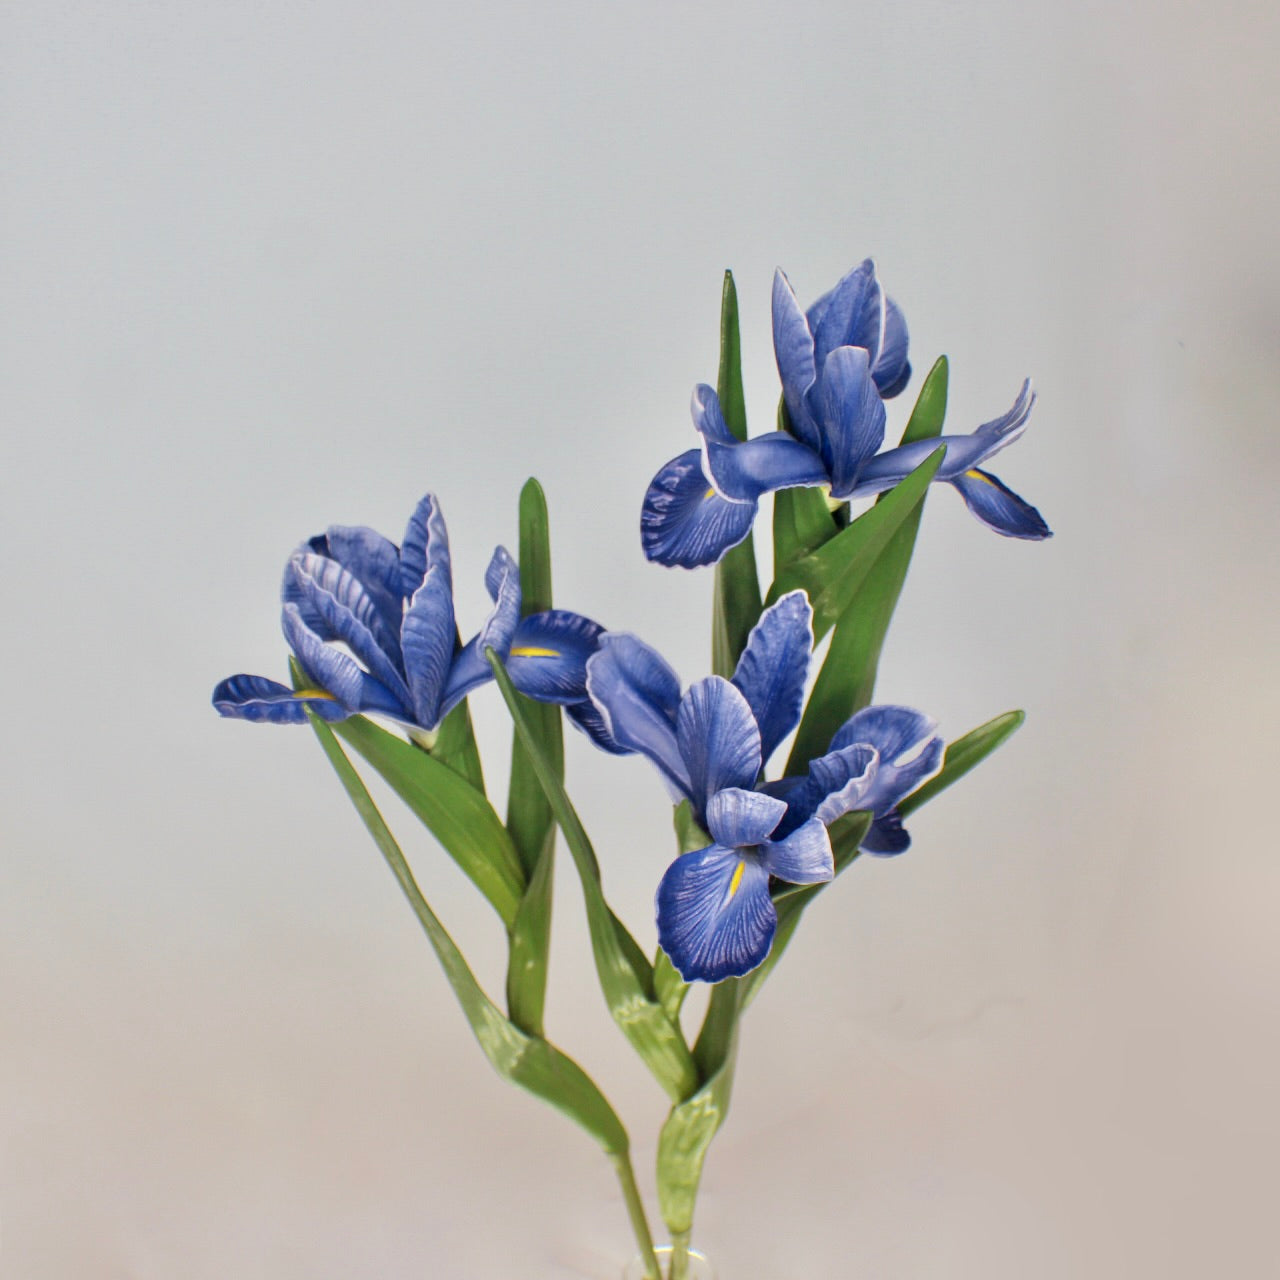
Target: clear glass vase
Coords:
[[700, 1267]]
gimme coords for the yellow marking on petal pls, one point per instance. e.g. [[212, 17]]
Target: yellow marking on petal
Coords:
[[314, 693], [736, 881], [977, 475], [531, 651], [710, 493]]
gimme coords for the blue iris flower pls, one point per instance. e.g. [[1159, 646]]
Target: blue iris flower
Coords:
[[838, 363], [716, 917], [372, 627]]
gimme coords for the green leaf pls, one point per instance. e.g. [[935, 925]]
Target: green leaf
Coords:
[[529, 818], [453, 811], [737, 601], [692, 1124], [669, 988], [455, 745], [627, 990], [848, 676], [833, 574], [528, 1061], [962, 755]]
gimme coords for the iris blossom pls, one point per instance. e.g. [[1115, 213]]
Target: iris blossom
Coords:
[[838, 362], [372, 627], [716, 917]]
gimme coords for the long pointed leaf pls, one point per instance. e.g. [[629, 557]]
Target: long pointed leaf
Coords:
[[629, 994], [833, 573], [962, 755], [456, 746], [848, 676], [524, 1060], [450, 808], [737, 602]]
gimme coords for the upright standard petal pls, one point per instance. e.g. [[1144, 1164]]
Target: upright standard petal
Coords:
[[548, 655], [684, 521], [637, 695], [335, 672], [892, 371], [425, 547], [793, 349], [850, 315], [999, 508], [718, 738], [853, 417], [737, 817], [374, 561], [427, 640], [908, 747], [245, 697], [715, 917], [772, 670], [470, 668]]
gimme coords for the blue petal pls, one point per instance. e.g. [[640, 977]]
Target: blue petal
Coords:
[[737, 817], [853, 416], [708, 417], [715, 917], [428, 637], [470, 669], [256, 698], [835, 784], [892, 371], [333, 671], [744, 470], [502, 581], [586, 716], [774, 665], [719, 740], [350, 615], [793, 349], [887, 836], [999, 508], [684, 521], [374, 561], [637, 695], [426, 546], [804, 857], [908, 749], [851, 315], [548, 656]]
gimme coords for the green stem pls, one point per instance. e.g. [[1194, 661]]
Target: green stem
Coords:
[[679, 1256], [635, 1209]]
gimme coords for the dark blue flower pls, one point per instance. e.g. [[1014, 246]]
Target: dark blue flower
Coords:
[[372, 627]]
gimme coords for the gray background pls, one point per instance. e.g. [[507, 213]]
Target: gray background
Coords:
[[271, 266]]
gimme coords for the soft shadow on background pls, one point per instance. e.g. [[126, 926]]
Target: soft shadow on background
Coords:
[[271, 266]]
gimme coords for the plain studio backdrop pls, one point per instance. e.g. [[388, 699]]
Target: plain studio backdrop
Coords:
[[273, 266]]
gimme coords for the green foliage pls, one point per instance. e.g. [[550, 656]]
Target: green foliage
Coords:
[[455, 745], [525, 1060], [736, 598], [624, 973]]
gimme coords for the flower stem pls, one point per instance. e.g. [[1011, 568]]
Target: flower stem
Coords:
[[635, 1209], [679, 1256]]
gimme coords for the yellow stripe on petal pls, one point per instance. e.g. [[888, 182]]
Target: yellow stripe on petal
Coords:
[[977, 475], [736, 882], [530, 651], [314, 693], [710, 493]]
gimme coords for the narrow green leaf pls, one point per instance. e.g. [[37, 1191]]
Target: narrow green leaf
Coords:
[[692, 1124], [833, 574], [528, 1061], [737, 603], [456, 746], [628, 993], [848, 676], [962, 755], [669, 988], [453, 811], [529, 818], [802, 522]]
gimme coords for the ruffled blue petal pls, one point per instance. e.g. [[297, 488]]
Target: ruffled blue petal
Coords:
[[744, 470], [349, 615], [804, 857], [892, 371], [548, 655], [774, 665], [887, 836], [850, 315], [853, 416], [908, 748], [999, 508], [586, 717], [684, 521], [256, 698], [715, 917], [835, 784], [738, 817], [718, 738], [335, 672], [708, 417], [793, 349], [428, 637], [637, 695], [502, 581], [425, 547], [375, 563]]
